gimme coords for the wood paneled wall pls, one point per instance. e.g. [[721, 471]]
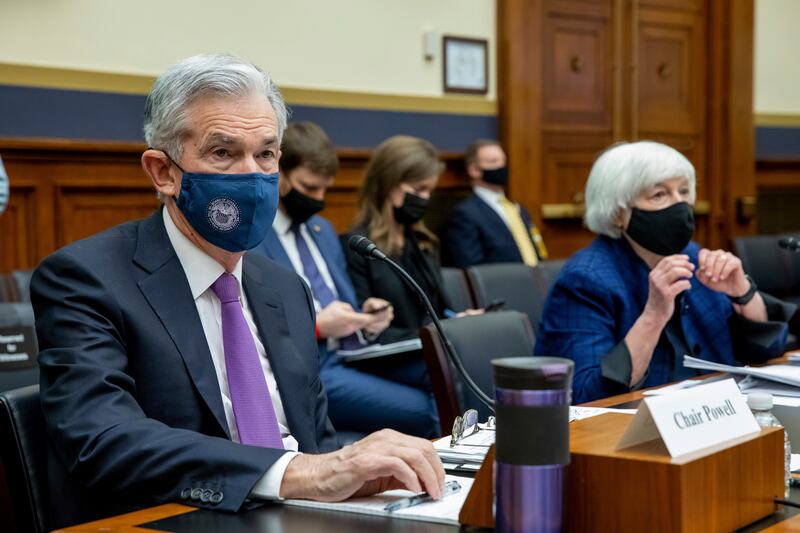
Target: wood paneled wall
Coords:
[[62, 191], [574, 76]]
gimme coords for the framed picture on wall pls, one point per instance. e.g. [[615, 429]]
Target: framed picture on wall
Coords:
[[466, 65]]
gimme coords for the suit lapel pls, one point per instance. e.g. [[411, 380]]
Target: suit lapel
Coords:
[[343, 286], [167, 291], [286, 363], [275, 250]]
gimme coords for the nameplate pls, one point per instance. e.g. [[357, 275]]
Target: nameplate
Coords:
[[692, 419], [17, 347]]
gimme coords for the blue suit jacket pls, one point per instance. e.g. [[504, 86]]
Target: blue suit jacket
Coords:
[[476, 234], [329, 246], [600, 293], [129, 390]]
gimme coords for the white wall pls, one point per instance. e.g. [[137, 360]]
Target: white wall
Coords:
[[777, 57], [352, 45]]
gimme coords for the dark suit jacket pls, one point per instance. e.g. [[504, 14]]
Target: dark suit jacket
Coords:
[[375, 278], [129, 390], [329, 246], [476, 234]]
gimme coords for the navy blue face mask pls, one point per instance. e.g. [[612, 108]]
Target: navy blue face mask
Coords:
[[231, 211]]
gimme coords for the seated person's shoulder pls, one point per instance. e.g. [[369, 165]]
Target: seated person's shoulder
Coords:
[[104, 251], [595, 266]]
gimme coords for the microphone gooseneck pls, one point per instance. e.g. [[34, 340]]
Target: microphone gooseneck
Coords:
[[789, 243], [366, 248]]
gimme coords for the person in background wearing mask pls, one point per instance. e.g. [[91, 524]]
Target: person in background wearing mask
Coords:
[[175, 366], [305, 242], [399, 179], [630, 305], [487, 227]]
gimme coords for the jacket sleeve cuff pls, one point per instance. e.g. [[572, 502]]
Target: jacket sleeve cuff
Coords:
[[269, 486], [616, 366]]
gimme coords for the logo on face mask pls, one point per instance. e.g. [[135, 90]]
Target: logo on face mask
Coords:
[[223, 214]]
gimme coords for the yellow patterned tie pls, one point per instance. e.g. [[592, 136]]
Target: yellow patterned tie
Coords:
[[519, 232]]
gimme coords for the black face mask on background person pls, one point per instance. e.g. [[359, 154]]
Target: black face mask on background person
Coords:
[[665, 231], [301, 207], [412, 210], [496, 176]]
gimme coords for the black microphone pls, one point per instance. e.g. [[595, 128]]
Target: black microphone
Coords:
[[789, 243], [366, 248]]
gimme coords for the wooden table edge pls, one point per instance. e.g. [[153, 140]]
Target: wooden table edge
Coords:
[[129, 521]]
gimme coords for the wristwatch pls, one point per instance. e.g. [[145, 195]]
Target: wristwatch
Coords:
[[745, 298]]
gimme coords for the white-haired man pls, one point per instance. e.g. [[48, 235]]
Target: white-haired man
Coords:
[[630, 305], [175, 367]]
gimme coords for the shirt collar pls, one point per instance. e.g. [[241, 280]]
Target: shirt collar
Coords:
[[490, 197], [200, 269], [282, 223]]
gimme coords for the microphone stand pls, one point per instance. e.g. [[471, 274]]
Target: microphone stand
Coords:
[[448, 346]]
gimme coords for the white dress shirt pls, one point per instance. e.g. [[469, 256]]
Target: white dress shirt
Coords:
[[201, 272], [493, 199], [282, 226]]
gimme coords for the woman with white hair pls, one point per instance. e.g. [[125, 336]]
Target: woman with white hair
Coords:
[[630, 305]]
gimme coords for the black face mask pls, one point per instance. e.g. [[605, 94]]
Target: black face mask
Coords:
[[301, 207], [663, 232], [412, 210], [496, 176]]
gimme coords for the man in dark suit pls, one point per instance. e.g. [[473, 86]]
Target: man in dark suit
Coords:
[[305, 242], [175, 367], [487, 227]]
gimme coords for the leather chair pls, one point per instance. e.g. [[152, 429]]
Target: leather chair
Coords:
[[523, 288], [477, 340], [18, 318], [550, 269], [23, 451], [456, 287], [23, 280], [775, 271]]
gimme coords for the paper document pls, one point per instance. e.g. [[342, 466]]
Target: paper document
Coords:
[[786, 374], [795, 463], [444, 511], [469, 450], [579, 413], [380, 350]]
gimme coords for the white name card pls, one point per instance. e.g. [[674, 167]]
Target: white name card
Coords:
[[692, 419]]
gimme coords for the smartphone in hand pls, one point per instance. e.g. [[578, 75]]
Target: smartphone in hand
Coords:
[[495, 305]]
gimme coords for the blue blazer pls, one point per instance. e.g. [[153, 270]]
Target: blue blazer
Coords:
[[476, 234], [128, 386], [329, 246], [600, 293]]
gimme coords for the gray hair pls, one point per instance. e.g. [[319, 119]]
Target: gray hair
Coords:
[[200, 76], [623, 172]]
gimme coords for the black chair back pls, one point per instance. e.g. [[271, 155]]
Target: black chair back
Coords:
[[456, 287], [550, 269], [23, 451], [18, 346], [523, 288], [477, 340], [776, 271]]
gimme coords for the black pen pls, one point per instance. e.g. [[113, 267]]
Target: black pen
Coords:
[[451, 487]]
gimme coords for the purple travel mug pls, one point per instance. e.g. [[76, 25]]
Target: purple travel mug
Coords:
[[532, 397]]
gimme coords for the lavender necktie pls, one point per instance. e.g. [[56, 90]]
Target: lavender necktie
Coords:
[[247, 385]]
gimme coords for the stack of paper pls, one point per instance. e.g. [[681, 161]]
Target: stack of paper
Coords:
[[579, 413], [469, 453], [444, 511], [786, 374]]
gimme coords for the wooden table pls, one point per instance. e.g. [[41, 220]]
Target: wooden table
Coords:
[[275, 517]]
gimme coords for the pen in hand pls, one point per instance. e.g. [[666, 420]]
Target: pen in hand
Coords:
[[451, 487]]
